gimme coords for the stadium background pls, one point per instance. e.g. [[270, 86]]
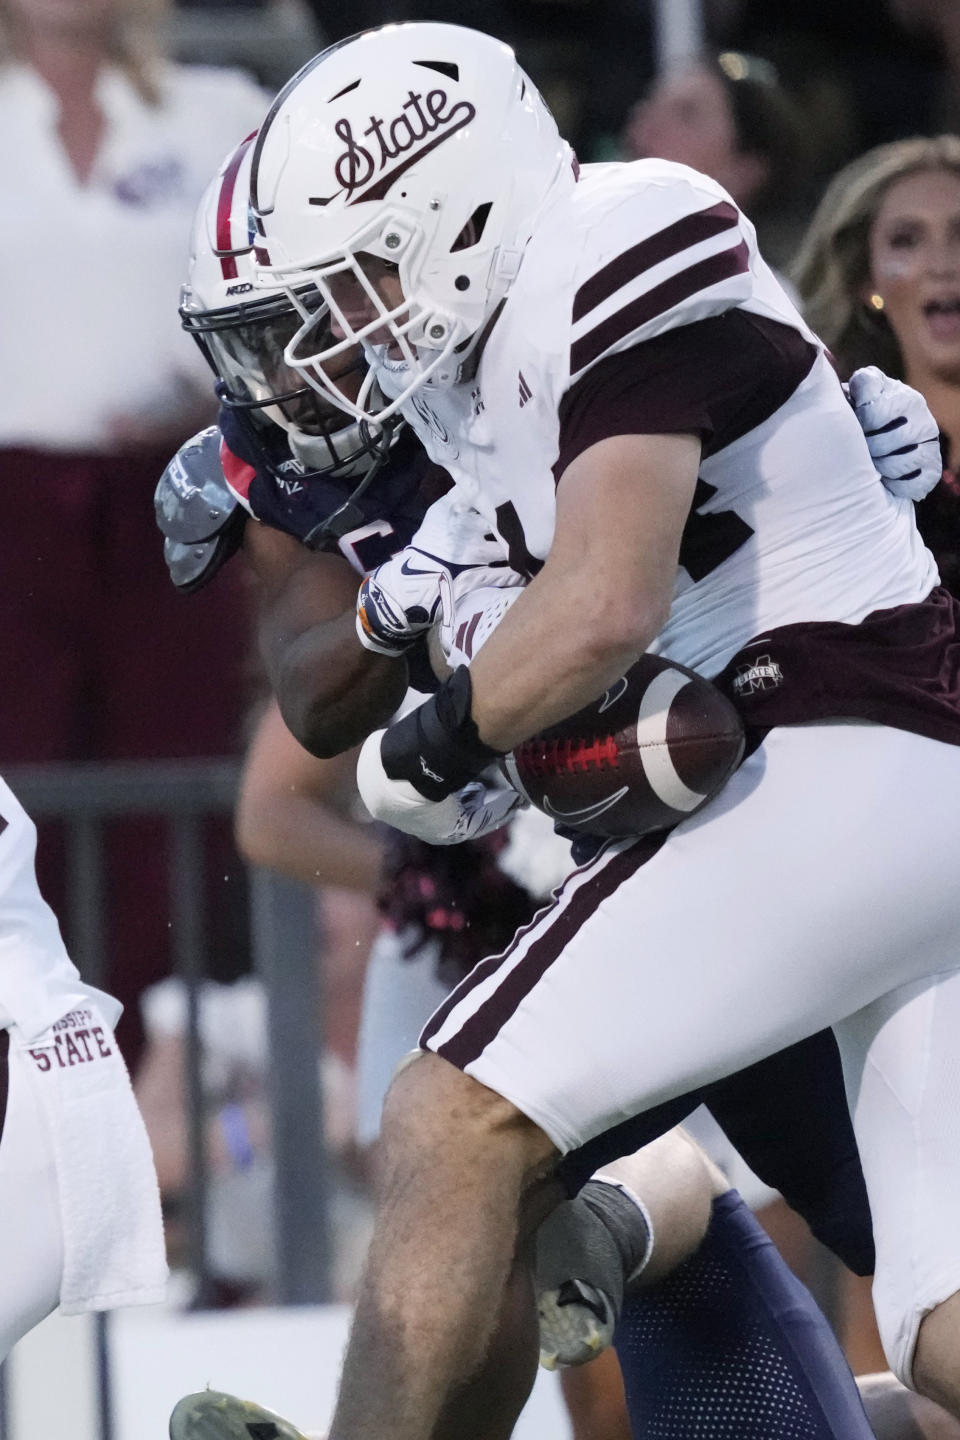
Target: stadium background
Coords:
[[862, 72]]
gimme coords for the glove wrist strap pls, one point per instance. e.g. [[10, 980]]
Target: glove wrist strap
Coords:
[[436, 747]]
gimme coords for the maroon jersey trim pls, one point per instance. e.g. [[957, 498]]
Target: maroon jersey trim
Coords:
[[899, 667], [681, 235], [716, 378], [657, 301], [238, 474]]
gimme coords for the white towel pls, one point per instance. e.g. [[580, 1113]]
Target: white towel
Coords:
[[109, 1199]]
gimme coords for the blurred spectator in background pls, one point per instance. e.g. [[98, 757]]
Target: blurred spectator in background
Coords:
[[105, 148], [859, 76], [294, 815], [938, 21], [728, 116], [238, 1211], [302, 817], [270, 39], [879, 276]]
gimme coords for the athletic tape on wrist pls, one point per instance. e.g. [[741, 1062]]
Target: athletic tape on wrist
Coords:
[[436, 747]]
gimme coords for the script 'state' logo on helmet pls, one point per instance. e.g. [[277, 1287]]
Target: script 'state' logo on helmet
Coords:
[[421, 116]]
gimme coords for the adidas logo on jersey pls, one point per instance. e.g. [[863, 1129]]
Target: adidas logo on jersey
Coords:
[[525, 392]]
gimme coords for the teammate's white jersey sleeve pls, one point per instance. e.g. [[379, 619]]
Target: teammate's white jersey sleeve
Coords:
[[38, 981]]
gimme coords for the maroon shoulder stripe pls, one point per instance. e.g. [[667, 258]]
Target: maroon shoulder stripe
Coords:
[[690, 230], [484, 1024], [665, 296]]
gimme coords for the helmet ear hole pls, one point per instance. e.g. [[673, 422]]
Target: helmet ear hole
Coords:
[[472, 232], [443, 67]]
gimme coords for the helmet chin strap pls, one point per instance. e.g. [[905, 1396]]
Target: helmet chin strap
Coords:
[[348, 516], [314, 452]]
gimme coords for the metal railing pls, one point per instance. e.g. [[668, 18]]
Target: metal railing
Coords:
[[184, 794]]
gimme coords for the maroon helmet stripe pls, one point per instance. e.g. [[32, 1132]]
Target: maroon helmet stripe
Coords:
[[228, 265], [656, 301], [484, 1024], [681, 235]]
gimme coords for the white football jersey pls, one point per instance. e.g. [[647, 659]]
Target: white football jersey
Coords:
[[789, 522], [38, 981]]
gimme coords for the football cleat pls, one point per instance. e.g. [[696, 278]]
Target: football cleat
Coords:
[[589, 1250], [577, 1322], [215, 1415]]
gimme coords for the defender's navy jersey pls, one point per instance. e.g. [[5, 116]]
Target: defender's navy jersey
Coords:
[[284, 494]]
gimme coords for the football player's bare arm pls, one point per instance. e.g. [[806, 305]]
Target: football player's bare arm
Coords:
[[603, 593], [293, 812], [331, 692]]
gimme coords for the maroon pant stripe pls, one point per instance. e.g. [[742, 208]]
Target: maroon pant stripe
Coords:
[[701, 276], [480, 972], [485, 1023], [671, 240]]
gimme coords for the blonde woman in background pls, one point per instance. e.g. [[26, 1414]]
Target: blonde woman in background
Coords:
[[879, 276], [105, 147]]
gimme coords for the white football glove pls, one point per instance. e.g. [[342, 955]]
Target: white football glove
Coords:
[[902, 436], [399, 602], [475, 810]]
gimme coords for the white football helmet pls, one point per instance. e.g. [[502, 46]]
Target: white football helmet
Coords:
[[426, 146], [243, 330]]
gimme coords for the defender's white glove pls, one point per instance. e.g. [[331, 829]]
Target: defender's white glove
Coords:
[[398, 603], [902, 435], [475, 810]]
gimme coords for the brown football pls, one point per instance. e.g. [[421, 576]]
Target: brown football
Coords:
[[644, 756]]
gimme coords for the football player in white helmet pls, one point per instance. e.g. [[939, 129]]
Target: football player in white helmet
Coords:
[[284, 456], [453, 237], [243, 331], [243, 340], [614, 379]]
